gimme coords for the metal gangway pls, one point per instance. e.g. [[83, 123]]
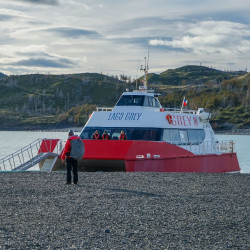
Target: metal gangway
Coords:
[[30, 155]]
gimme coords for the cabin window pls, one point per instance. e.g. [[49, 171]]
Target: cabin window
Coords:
[[131, 100], [171, 135], [192, 135], [148, 134], [153, 102], [183, 136], [146, 102], [200, 135]]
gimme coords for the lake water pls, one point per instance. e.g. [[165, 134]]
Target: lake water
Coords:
[[12, 141]]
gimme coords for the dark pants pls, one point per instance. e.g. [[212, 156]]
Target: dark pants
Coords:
[[72, 163]]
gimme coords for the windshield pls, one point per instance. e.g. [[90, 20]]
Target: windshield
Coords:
[[131, 100]]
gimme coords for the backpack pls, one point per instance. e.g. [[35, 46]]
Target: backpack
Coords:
[[77, 149]]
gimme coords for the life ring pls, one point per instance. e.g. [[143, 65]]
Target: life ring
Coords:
[[169, 119]]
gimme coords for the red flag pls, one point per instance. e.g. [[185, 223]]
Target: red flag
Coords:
[[185, 101]]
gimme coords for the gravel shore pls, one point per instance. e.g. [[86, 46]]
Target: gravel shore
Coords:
[[125, 211]]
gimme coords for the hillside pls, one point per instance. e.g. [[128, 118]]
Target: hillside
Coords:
[[2, 75], [192, 75], [40, 101]]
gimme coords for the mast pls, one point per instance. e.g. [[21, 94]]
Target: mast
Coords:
[[145, 70]]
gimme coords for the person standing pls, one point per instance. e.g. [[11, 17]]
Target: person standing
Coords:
[[105, 135], [122, 136], [96, 135], [70, 162]]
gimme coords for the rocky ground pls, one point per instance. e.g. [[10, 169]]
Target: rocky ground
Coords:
[[125, 211]]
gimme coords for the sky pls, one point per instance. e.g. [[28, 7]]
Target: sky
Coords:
[[113, 37]]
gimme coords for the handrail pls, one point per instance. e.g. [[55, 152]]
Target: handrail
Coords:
[[22, 149], [186, 111], [104, 109], [207, 147], [29, 152]]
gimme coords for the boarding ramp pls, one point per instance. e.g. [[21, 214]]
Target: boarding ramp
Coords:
[[40, 150]]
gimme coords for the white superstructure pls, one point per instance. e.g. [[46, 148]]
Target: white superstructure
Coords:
[[142, 117]]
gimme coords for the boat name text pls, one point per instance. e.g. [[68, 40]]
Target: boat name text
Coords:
[[185, 121], [131, 116]]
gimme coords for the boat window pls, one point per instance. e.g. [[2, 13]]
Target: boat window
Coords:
[[183, 136], [148, 134], [153, 102], [146, 102], [131, 100], [156, 103], [200, 135], [175, 136], [150, 101], [115, 135], [192, 136], [84, 134], [171, 135]]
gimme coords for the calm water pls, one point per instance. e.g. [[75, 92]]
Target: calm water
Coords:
[[12, 141]]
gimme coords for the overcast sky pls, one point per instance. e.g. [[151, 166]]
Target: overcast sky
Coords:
[[113, 36]]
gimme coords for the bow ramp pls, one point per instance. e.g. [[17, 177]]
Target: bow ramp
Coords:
[[44, 151]]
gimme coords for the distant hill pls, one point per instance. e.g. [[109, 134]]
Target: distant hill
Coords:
[[2, 75], [192, 75], [36, 98], [37, 101]]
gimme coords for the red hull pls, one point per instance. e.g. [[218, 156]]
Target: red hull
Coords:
[[150, 156], [200, 164]]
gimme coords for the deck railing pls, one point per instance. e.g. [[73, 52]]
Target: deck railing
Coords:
[[104, 109], [186, 111], [207, 147]]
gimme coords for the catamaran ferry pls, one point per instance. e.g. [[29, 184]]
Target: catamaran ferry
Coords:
[[157, 139]]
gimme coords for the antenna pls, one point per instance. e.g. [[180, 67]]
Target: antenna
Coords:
[[148, 59], [137, 65], [145, 69]]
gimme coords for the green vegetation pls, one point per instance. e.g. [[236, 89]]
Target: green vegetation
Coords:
[[39, 101]]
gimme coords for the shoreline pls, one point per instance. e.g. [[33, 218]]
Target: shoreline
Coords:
[[78, 129], [233, 132], [66, 129]]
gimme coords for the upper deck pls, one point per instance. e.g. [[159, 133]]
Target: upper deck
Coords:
[[146, 100], [142, 117], [143, 109]]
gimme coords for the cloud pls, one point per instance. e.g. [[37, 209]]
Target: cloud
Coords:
[[36, 57], [5, 17], [45, 63], [113, 34], [73, 32], [209, 37], [43, 2]]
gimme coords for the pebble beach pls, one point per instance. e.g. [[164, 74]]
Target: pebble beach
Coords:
[[125, 211]]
